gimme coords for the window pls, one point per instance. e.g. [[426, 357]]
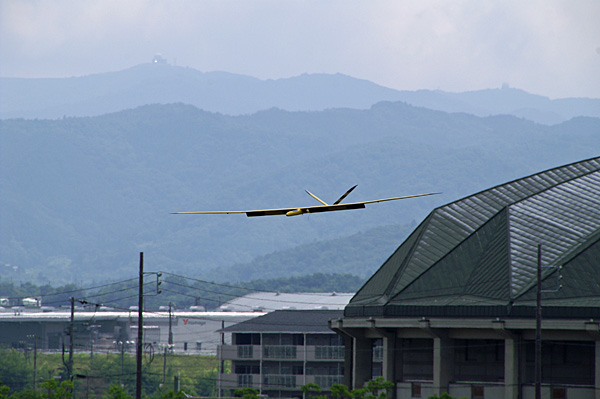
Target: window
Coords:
[[245, 351], [559, 393], [245, 380], [247, 339], [329, 352], [415, 390], [325, 381], [292, 339], [247, 369], [477, 392]]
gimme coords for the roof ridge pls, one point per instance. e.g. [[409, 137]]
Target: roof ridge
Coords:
[[447, 254], [565, 181], [512, 182], [405, 261]]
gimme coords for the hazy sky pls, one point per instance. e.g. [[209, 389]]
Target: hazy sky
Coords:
[[548, 47]]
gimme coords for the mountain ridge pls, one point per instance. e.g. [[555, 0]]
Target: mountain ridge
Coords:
[[81, 196], [233, 94]]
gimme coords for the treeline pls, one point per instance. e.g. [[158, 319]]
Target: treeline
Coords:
[[94, 377], [15, 293], [179, 290]]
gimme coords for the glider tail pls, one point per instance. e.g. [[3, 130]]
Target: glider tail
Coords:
[[345, 195], [317, 198]]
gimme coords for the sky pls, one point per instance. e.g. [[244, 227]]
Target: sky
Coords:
[[546, 47]]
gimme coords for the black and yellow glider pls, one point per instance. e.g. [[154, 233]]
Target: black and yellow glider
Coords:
[[336, 206]]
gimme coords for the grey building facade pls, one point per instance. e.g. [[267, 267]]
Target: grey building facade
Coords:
[[281, 351]]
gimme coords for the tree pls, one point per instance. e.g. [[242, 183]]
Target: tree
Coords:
[[57, 390], [378, 388], [444, 395], [117, 392], [15, 372], [4, 390], [246, 393]]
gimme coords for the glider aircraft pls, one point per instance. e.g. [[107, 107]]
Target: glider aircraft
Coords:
[[325, 207]]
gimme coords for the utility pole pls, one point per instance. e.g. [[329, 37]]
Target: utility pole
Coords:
[[122, 361], [139, 343], [169, 345], [34, 336], [34, 364], [164, 365], [71, 338], [170, 328], [538, 327]]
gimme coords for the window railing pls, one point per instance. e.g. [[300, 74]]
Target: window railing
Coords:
[[329, 352], [245, 351], [279, 352], [279, 381], [244, 380], [325, 381]]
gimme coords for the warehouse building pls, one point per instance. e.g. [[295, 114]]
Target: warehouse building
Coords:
[[454, 307]]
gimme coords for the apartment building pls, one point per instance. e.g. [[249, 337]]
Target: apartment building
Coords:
[[280, 352]]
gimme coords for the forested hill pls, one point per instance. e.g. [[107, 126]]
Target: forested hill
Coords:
[[80, 197], [239, 94]]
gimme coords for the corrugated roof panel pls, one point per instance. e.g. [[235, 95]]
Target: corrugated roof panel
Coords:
[[467, 267], [580, 278], [391, 269], [558, 207], [557, 218]]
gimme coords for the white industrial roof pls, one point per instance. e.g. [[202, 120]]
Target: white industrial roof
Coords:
[[270, 301]]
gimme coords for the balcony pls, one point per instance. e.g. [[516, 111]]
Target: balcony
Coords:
[[325, 353], [282, 381], [239, 352], [279, 352], [277, 381], [326, 381], [235, 381]]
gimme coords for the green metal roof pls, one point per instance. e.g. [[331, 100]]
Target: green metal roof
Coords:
[[482, 250]]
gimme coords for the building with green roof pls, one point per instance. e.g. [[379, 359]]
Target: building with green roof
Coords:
[[453, 309]]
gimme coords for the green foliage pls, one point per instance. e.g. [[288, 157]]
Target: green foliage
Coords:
[[340, 391], [169, 395], [4, 390], [306, 390], [246, 393], [25, 394], [101, 376], [54, 389], [14, 370], [444, 395], [117, 392], [378, 388]]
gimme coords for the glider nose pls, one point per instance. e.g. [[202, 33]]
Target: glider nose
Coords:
[[294, 212]]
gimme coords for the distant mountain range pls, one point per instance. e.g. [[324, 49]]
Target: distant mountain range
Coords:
[[81, 196], [232, 94]]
